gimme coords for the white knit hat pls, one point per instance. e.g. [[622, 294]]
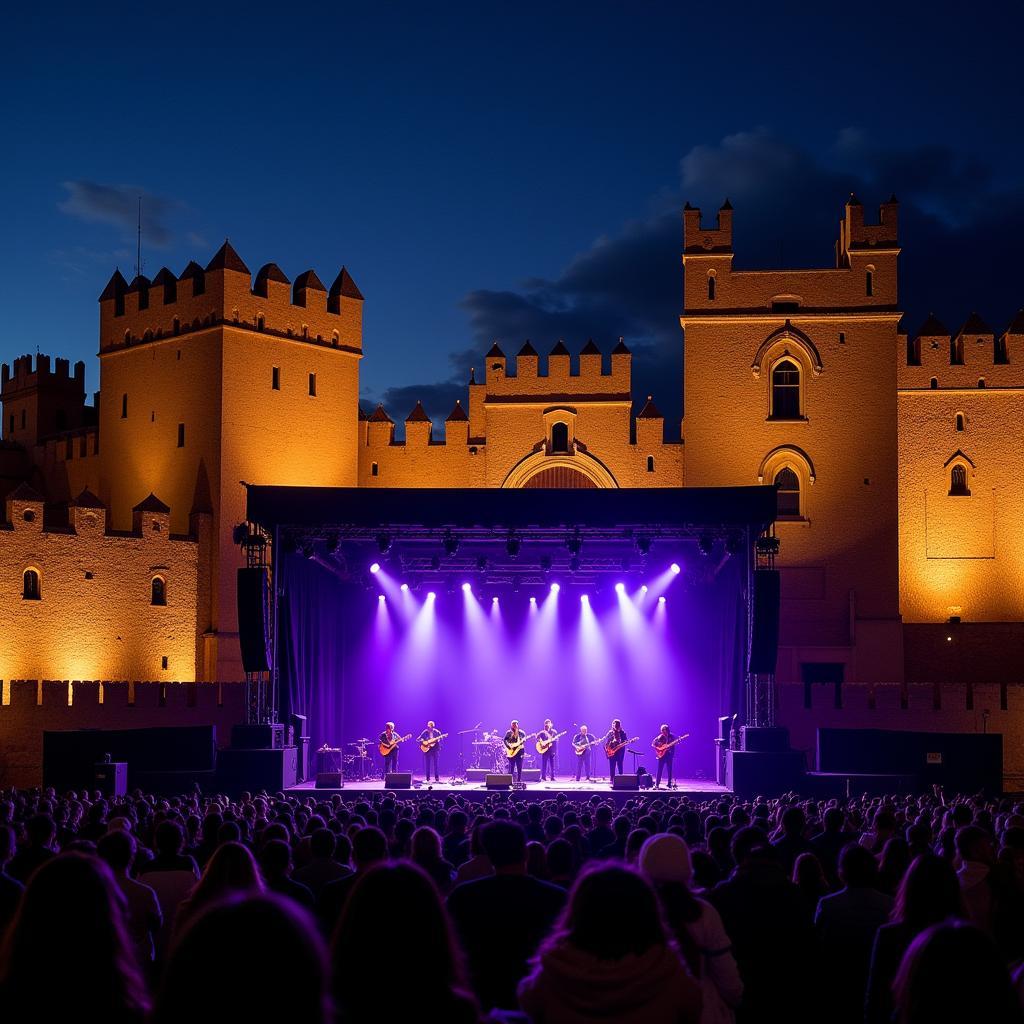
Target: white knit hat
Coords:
[[666, 858]]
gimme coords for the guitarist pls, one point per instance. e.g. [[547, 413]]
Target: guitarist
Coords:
[[389, 736], [430, 757], [513, 737], [582, 739], [663, 738], [616, 737], [548, 757]]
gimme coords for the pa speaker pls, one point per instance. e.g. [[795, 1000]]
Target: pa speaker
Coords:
[[253, 609], [398, 780], [764, 642], [328, 780], [111, 778], [496, 781], [626, 782]]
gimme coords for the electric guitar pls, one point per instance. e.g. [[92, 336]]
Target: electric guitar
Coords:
[[612, 749], [582, 748], [660, 748], [425, 745], [543, 746], [386, 748], [515, 749]]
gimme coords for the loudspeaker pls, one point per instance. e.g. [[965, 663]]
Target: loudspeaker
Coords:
[[765, 773], [772, 739], [496, 781], [328, 780], [398, 780], [764, 639], [111, 778], [626, 782], [257, 737], [271, 770], [253, 608]]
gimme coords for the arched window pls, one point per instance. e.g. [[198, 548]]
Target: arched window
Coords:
[[787, 485], [786, 391], [869, 283], [560, 437], [650, 463], [959, 421], [956, 351], [158, 591], [958, 482], [711, 288], [30, 589], [934, 383]]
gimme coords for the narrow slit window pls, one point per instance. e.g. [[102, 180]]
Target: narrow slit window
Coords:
[[711, 288], [30, 588], [158, 591], [275, 378], [650, 463], [869, 283], [312, 385], [124, 407], [181, 435]]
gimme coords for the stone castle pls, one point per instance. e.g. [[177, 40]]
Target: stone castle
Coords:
[[896, 457]]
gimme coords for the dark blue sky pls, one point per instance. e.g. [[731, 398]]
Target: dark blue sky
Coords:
[[501, 170]]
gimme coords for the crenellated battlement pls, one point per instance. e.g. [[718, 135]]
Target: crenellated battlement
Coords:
[[855, 233], [224, 294], [698, 238], [563, 377], [23, 374]]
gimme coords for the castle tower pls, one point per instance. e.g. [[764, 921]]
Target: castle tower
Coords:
[[211, 379], [39, 401], [790, 380]]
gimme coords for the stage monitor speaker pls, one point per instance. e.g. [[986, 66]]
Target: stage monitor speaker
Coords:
[[398, 780], [496, 781], [764, 640], [111, 778], [253, 607], [328, 780], [626, 782]]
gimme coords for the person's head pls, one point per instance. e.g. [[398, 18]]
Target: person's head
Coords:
[[536, 860], [389, 726], [369, 846], [793, 821], [666, 858], [504, 844], [616, 724], [638, 922], [583, 730], [384, 894], [255, 937], [70, 914], [231, 869], [548, 724], [276, 859], [664, 730], [809, 874], [426, 845], [929, 893], [322, 844], [832, 821], [40, 830], [430, 725], [515, 725], [973, 843], [745, 841], [118, 850], [634, 842], [954, 971], [561, 859], [858, 868]]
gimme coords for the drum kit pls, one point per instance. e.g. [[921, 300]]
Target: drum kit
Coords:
[[489, 752]]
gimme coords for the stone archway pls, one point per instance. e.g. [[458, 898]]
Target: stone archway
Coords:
[[559, 476], [578, 470]]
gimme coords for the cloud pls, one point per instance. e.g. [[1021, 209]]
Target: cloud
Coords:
[[118, 206], [438, 398]]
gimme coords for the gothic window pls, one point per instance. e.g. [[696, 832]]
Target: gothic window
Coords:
[[787, 486], [956, 351], [933, 383], [869, 283], [958, 482], [1001, 355], [158, 591], [30, 589], [711, 288], [650, 463], [786, 391], [560, 437]]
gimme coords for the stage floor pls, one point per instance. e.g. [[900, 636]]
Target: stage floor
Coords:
[[697, 788]]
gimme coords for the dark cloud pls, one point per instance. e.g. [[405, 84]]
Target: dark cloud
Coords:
[[118, 206], [438, 398]]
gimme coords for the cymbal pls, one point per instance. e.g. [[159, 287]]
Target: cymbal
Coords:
[[482, 743], [365, 739]]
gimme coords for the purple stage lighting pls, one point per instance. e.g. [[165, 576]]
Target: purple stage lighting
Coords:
[[375, 568], [467, 587], [533, 600], [555, 588], [584, 599], [381, 598], [620, 588], [675, 568], [643, 589], [661, 600], [431, 596], [404, 588], [494, 600]]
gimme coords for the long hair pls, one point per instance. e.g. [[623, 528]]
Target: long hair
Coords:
[[928, 894], [231, 869], [380, 900], [67, 953]]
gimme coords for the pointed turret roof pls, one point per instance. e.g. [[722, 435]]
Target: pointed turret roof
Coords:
[[974, 324], [590, 349], [853, 200], [527, 349], [726, 205], [225, 258], [164, 277], [495, 352], [649, 411], [418, 414], [191, 270], [560, 349], [117, 285], [308, 279], [458, 414], [620, 349], [152, 504], [380, 416], [363, 415], [88, 500], [24, 492], [933, 327], [271, 272], [1017, 323], [139, 282], [344, 285]]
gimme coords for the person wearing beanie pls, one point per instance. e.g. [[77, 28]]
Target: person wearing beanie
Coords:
[[665, 862]]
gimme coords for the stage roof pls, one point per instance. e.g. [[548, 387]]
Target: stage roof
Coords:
[[489, 508]]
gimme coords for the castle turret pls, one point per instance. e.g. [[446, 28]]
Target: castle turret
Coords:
[[456, 426], [417, 427], [526, 361], [39, 401]]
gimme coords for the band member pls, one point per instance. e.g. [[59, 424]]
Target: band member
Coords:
[[547, 759], [389, 736], [616, 736], [515, 764], [582, 739], [665, 761], [430, 757]]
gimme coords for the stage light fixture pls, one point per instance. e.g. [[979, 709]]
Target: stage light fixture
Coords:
[[513, 546], [706, 543], [494, 600], [545, 563], [675, 568], [643, 589], [481, 564], [431, 595], [381, 598], [555, 588], [661, 600], [375, 567], [574, 542], [404, 588], [533, 600], [383, 543], [574, 563], [435, 563], [451, 544], [467, 587], [620, 588], [643, 546], [584, 599]]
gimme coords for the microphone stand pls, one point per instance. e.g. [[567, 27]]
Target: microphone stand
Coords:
[[459, 778]]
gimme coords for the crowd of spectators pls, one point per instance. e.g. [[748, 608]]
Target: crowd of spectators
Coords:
[[500, 907]]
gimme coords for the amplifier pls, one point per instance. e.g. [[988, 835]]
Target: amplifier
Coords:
[[328, 780], [626, 782], [398, 780], [496, 781]]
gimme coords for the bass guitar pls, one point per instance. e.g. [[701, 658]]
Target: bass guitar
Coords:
[[661, 748], [543, 746], [425, 745], [386, 748], [515, 749], [611, 749]]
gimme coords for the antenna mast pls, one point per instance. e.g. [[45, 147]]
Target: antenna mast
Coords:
[[138, 243]]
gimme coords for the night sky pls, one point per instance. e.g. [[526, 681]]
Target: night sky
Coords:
[[504, 171]]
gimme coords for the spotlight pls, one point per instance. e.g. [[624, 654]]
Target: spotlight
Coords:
[[431, 595], [467, 587], [574, 563], [574, 542], [494, 600], [435, 563], [706, 543], [307, 551], [545, 563], [451, 544], [513, 546], [675, 568], [584, 599], [643, 546], [381, 598], [620, 588], [404, 588], [533, 600], [383, 543], [643, 589], [661, 600], [332, 544], [481, 564], [555, 588], [375, 568]]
